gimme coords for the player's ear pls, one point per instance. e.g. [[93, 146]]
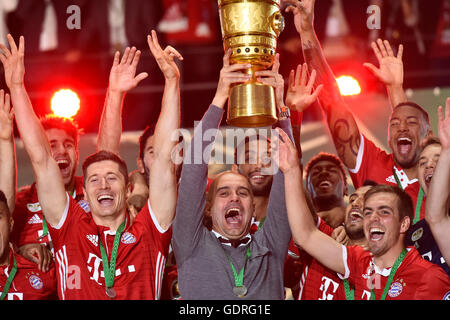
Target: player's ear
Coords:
[[404, 224], [140, 165]]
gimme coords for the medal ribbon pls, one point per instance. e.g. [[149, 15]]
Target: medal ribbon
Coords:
[[110, 268], [391, 276], [11, 276], [419, 198], [239, 278], [349, 293]]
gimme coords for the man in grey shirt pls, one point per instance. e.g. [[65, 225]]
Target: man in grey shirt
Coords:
[[228, 263]]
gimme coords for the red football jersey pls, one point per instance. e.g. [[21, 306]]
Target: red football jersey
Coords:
[[29, 283], [28, 215], [318, 282], [415, 279], [140, 263], [374, 164]]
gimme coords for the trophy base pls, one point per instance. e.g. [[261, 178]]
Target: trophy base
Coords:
[[251, 105]]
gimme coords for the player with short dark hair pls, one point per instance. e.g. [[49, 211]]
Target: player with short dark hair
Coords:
[[326, 183], [388, 270], [408, 122], [98, 252]]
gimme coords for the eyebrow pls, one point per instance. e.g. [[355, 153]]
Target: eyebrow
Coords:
[[228, 187], [379, 208]]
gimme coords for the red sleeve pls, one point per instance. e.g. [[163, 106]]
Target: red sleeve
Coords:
[[371, 161], [148, 218], [435, 285], [71, 215]]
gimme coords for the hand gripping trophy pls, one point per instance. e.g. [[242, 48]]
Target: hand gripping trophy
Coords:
[[250, 28]]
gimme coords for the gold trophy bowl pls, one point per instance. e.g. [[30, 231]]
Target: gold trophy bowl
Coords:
[[250, 28]]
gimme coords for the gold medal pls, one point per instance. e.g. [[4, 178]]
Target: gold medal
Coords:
[[110, 292], [240, 291]]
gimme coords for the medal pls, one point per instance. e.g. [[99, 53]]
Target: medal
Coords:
[[240, 291], [109, 267], [110, 292]]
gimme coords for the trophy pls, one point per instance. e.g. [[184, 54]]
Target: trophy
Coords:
[[250, 28]]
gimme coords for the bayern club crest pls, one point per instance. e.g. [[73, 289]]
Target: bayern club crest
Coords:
[[395, 290], [128, 238], [36, 282]]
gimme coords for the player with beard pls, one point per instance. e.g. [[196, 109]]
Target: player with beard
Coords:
[[387, 270], [408, 123], [326, 183], [256, 166]]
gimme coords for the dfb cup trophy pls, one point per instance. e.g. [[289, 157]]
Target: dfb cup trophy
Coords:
[[250, 28]]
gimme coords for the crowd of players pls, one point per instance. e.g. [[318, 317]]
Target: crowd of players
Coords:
[[167, 232]]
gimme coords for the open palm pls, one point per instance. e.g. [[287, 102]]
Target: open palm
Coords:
[[390, 71], [300, 94], [123, 77], [13, 62]]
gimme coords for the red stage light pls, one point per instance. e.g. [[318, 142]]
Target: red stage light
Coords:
[[65, 103], [348, 86]]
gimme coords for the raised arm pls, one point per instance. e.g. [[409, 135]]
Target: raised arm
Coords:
[[343, 127], [50, 185], [438, 204], [7, 152], [163, 180], [304, 231], [122, 78], [194, 175], [390, 71], [299, 96]]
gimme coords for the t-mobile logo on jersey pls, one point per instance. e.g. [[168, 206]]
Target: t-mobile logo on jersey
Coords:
[[93, 265], [326, 282]]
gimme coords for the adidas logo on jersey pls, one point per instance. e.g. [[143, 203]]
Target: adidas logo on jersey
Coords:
[[93, 238], [35, 219]]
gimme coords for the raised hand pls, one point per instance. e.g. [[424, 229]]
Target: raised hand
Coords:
[[6, 116], [229, 74], [164, 58], [390, 72], [273, 78], [444, 125], [300, 95], [284, 151], [122, 77], [303, 13], [13, 62]]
